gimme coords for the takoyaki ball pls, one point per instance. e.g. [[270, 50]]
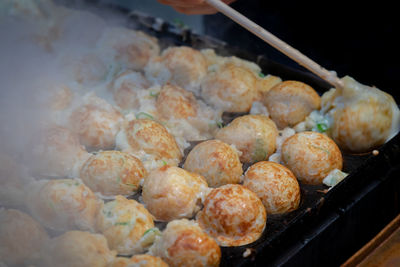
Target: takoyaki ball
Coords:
[[113, 173], [184, 243], [216, 161], [172, 193], [363, 117], [125, 86], [311, 156], [253, 135], [89, 70], [230, 88], [64, 204], [233, 215], [176, 102], [21, 237], [56, 151], [128, 47], [96, 122], [275, 185], [77, 248], [152, 138], [123, 222], [141, 260], [179, 65], [290, 102]]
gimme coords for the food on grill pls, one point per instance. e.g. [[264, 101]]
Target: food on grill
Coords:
[[125, 86], [113, 173], [63, 204], [123, 222], [184, 243], [230, 88], [127, 48], [21, 237], [142, 260], [275, 185], [289, 102], [182, 66], [311, 156], [216, 161], [77, 248], [362, 117], [171, 192], [55, 151], [96, 122], [253, 135], [233, 215], [150, 142]]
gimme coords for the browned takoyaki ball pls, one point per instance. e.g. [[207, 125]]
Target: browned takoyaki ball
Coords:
[[77, 248], [64, 204], [290, 102], [216, 161], [133, 49], [311, 156], [123, 222], [151, 137], [113, 173], [275, 185], [96, 122], [230, 88], [184, 243], [21, 237], [171, 192], [125, 87], [233, 215], [141, 260], [176, 102], [180, 65], [253, 135]]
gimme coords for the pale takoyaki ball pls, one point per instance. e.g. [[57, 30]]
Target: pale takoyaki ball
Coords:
[[184, 243], [21, 237], [363, 117], [56, 151], [230, 88], [141, 260], [216, 161], [77, 248], [96, 122], [290, 102], [64, 204], [176, 102], [179, 65], [253, 135], [133, 49], [152, 138], [233, 215], [172, 193], [125, 86], [311, 156], [275, 185], [113, 173], [123, 222]]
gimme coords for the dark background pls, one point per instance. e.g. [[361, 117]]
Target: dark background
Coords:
[[355, 39]]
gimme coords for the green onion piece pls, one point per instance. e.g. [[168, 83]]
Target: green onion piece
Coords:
[[121, 223], [144, 115], [179, 23], [153, 94], [322, 127], [261, 75], [220, 124], [152, 230], [164, 162]]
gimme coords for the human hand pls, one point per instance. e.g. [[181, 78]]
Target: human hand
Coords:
[[191, 7]]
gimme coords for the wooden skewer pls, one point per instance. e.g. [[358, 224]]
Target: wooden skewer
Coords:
[[329, 76]]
